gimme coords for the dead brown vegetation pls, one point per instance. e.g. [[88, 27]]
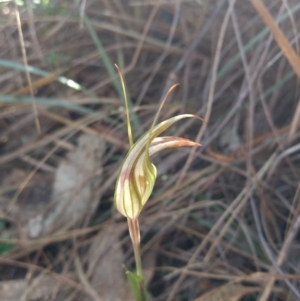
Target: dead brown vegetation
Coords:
[[223, 221]]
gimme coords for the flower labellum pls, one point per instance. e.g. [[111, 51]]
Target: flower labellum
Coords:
[[137, 176]]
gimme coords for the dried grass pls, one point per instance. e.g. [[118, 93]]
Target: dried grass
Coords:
[[225, 213]]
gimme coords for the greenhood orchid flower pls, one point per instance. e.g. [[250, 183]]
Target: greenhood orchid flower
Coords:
[[137, 178], [137, 175]]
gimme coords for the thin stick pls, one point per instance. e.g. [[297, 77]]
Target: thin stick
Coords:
[[209, 101], [23, 49], [84, 280], [282, 254]]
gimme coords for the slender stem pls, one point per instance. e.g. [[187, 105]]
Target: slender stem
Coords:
[[138, 261], [134, 230]]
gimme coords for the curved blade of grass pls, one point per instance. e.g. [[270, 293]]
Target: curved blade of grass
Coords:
[[48, 102], [61, 79], [110, 68]]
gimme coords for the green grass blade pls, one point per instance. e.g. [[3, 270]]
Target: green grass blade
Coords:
[[280, 83], [32, 70], [56, 103], [110, 69]]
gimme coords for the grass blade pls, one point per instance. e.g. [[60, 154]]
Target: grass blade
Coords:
[[110, 68]]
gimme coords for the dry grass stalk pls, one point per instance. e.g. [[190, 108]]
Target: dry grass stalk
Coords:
[[201, 229]]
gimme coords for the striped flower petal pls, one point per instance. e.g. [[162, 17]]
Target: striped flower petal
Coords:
[[137, 175]]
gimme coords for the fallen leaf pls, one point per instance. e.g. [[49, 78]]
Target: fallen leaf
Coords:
[[77, 178]]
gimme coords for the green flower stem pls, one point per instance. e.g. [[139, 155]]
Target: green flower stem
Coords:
[[134, 230], [138, 262]]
